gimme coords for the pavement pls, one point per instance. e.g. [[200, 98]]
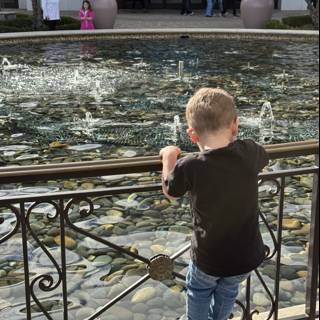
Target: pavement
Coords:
[[164, 19], [171, 19]]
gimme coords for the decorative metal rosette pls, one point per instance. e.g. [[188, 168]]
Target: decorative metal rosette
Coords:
[[160, 267]]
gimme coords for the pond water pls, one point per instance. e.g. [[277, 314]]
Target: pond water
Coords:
[[93, 100], [120, 98]]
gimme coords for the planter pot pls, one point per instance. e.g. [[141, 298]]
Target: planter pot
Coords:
[[255, 13], [105, 13]]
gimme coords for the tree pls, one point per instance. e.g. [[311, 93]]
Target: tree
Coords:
[[313, 6], [37, 15]]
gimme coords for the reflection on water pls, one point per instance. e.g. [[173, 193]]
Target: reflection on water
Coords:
[[125, 94]]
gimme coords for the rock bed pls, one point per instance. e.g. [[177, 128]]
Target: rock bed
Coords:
[[149, 224]]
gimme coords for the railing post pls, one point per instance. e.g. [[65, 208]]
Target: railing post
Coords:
[[25, 260], [248, 300], [279, 244], [63, 261], [313, 261]]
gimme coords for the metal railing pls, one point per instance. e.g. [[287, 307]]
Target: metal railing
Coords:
[[159, 267]]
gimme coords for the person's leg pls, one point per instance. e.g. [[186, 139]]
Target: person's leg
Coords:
[[183, 7], [225, 297], [209, 11], [143, 4], [52, 24], [234, 7], [200, 289], [221, 7], [188, 7]]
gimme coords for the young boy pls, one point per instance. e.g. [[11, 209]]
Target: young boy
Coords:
[[223, 182]]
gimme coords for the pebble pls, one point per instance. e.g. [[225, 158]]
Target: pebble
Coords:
[[144, 295], [70, 243], [84, 313], [260, 299], [289, 224], [287, 286]]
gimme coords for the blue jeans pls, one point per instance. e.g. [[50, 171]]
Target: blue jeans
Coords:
[[210, 297], [211, 4]]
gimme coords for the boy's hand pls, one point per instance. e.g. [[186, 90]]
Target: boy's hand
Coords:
[[170, 152], [169, 157]]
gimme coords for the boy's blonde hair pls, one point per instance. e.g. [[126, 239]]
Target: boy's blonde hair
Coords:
[[210, 110]]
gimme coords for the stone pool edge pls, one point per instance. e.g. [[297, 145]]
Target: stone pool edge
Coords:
[[239, 34]]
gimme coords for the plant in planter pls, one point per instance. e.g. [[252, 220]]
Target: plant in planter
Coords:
[[255, 13], [105, 13]]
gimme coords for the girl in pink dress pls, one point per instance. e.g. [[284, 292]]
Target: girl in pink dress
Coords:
[[86, 16]]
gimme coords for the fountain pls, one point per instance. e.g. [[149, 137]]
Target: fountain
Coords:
[[76, 75], [181, 70], [86, 125], [97, 91], [266, 123], [124, 102], [177, 129]]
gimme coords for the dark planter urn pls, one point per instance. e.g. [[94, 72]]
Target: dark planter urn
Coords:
[[105, 13], [255, 13]]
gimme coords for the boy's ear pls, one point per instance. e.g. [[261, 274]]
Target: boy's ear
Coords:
[[235, 126], [193, 135]]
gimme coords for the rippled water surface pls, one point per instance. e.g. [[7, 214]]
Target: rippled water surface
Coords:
[[65, 102], [115, 95]]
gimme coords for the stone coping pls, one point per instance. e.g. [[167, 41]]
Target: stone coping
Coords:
[[7, 12], [239, 34], [297, 312]]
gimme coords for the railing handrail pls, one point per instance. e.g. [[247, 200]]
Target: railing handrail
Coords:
[[137, 189], [126, 166]]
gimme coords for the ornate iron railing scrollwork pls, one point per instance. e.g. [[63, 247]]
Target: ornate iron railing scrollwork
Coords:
[[274, 181], [86, 213], [269, 255], [15, 229], [63, 203], [268, 293], [46, 281]]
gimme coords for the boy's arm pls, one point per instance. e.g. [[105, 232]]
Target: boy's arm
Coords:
[[169, 157]]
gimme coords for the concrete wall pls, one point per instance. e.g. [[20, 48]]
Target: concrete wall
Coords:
[[74, 5], [65, 5], [23, 4], [293, 5]]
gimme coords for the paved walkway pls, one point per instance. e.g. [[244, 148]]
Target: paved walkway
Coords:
[[172, 19], [168, 19]]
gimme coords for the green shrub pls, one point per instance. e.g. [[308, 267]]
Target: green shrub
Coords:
[[68, 20], [4, 29], [23, 23], [71, 26], [297, 21], [275, 24]]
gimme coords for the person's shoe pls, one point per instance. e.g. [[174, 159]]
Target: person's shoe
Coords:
[[224, 14], [190, 14]]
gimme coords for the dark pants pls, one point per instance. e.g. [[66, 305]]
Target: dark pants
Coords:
[[143, 4], [231, 4], [52, 24], [186, 6]]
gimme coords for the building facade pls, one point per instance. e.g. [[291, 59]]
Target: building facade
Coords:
[[74, 5]]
